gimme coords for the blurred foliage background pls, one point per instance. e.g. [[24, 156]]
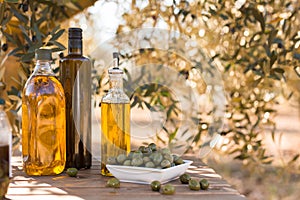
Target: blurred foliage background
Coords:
[[255, 45]]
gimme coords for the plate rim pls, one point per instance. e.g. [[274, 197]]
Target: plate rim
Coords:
[[186, 162]]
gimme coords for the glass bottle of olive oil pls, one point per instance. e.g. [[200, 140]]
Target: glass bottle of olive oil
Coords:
[[115, 118], [43, 120], [75, 76]]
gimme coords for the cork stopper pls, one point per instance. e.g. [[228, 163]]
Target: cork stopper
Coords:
[[43, 54]]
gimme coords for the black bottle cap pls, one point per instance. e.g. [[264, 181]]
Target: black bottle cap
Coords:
[[75, 33], [115, 55], [43, 54]]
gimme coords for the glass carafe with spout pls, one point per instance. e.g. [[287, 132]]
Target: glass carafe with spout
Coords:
[[115, 118]]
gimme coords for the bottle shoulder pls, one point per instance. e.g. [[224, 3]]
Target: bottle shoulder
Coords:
[[43, 85], [75, 57], [115, 97]]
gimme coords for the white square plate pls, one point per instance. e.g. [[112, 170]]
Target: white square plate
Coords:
[[145, 175]]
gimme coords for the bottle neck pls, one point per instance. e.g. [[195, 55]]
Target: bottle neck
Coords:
[[43, 67], [116, 82], [75, 46]]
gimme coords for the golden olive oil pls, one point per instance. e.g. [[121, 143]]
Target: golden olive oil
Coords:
[[43, 126], [115, 124]]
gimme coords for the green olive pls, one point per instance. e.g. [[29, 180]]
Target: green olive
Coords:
[[168, 189], [121, 158], [111, 161], [127, 163], [194, 185], [175, 157], [113, 182], [155, 185], [157, 158], [168, 157], [204, 184], [137, 154], [147, 151], [149, 165], [165, 164], [129, 156], [184, 178], [146, 159], [137, 162], [152, 146], [72, 172], [165, 151], [178, 161]]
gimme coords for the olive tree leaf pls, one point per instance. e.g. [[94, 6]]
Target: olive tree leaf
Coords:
[[59, 45], [297, 70], [57, 35], [295, 158], [21, 17], [14, 51], [25, 34], [27, 57], [11, 1], [259, 17], [9, 37], [2, 10]]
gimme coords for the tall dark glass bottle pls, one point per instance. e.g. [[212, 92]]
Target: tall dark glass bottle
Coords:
[[75, 76]]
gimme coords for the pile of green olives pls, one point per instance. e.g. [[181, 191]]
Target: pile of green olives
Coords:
[[147, 156]]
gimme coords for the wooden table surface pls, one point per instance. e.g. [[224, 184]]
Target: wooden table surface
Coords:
[[90, 185]]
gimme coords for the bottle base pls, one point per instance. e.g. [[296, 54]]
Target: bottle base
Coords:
[[34, 170]]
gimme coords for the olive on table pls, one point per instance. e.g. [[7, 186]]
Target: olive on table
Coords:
[[184, 178], [204, 184], [72, 172], [113, 182], [155, 185], [168, 189], [194, 185]]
